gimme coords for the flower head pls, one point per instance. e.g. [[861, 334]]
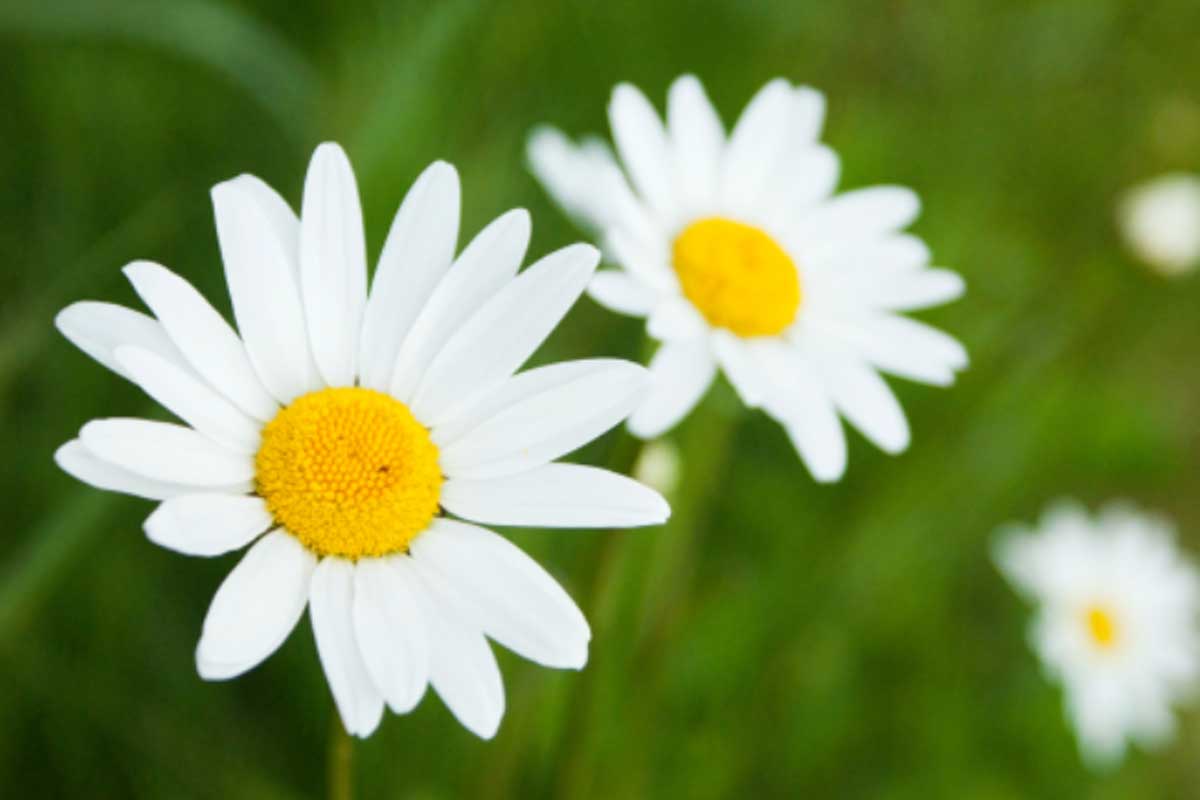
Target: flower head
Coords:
[[1115, 621], [1160, 220], [333, 435], [738, 254]]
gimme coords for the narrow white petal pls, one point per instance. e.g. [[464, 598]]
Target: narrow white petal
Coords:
[[504, 333], [642, 143], [866, 402], [509, 595], [646, 259], [757, 145], [698, 140], [203, 336], [733, 358], [98, 329], [255, 608], [78, 462], [556, 496], [266, 297], [901, 347], [797, 399], [178, 390], [208, 524], [675, 319], [680, 374], [417, 253], [331, 609], [488, 263], [166, 452], [860, 215], [538, 428], [390, 623], [808, 114], [333, 264], [915, 291], [282, 221], [618, 291], [805, 178], [462, 667]]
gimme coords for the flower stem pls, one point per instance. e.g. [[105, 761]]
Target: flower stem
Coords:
[[340, 761]]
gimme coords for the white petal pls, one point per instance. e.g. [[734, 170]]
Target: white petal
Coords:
[[894, 342], [203, 337], [331, 609], [333, 264], [78, 462], [698, 139], [861, 215], [417, 253], [915, 291], [642, 143], [255, 608], [866, 401], [730, 353], [98, 329], [538, 428], [514, 600], [680, 374], [179, 391], [798, 400], [266, 298], [166, 452], [757, 145], [675, 319], [462, 667], [645, 259], [208, 524], [617, 291], [504, 333], [808, 114], [803, 180], [556, 496], [281, 219], [488, 263], [390, 623]]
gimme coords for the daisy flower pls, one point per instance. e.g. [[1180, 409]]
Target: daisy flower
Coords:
[[336, 432], [1115, 622], [1160, 220], [739, 256]]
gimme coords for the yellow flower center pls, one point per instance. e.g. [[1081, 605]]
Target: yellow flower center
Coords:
[[1102, 627], [349, 472], [737, 276]]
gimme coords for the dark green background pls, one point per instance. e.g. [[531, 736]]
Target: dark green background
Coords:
[[779, 638]]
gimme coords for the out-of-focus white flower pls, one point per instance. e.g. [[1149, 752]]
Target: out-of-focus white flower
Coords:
[[658, 466], [1160, 220], [331, 435], [1115, 623], [740, 256]]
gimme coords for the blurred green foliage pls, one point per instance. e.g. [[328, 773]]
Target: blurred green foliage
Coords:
[[777, 639]]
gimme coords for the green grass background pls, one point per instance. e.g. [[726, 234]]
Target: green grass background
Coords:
[[778, 638]]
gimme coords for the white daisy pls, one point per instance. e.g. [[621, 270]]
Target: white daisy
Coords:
[[739, 256], [1160, 220], [334, 432], [1116, 620]]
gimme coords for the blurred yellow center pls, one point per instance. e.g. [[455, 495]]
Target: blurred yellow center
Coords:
[[737, 276], [1102, 627], [349, 472]]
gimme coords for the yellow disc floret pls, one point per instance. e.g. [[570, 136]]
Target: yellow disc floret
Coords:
[[737, 276], [349, 472], [1102, 627]]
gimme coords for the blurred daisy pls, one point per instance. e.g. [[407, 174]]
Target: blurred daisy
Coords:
[[1116, 620], [332, 434], [740, 257], [1160, 221]]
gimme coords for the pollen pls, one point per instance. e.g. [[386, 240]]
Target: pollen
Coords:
[[349, 472], [737, 276], [1102, 627]]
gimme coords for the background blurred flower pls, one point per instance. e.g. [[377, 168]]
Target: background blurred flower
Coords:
[[1160, 220], [340, 423], [738, 255], [1115, 623]]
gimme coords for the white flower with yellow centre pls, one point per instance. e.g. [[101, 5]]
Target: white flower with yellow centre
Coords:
[[740, 257], [335, 431], [1116, 620]]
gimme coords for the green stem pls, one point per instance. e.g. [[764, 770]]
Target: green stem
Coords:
[[341, 761]]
